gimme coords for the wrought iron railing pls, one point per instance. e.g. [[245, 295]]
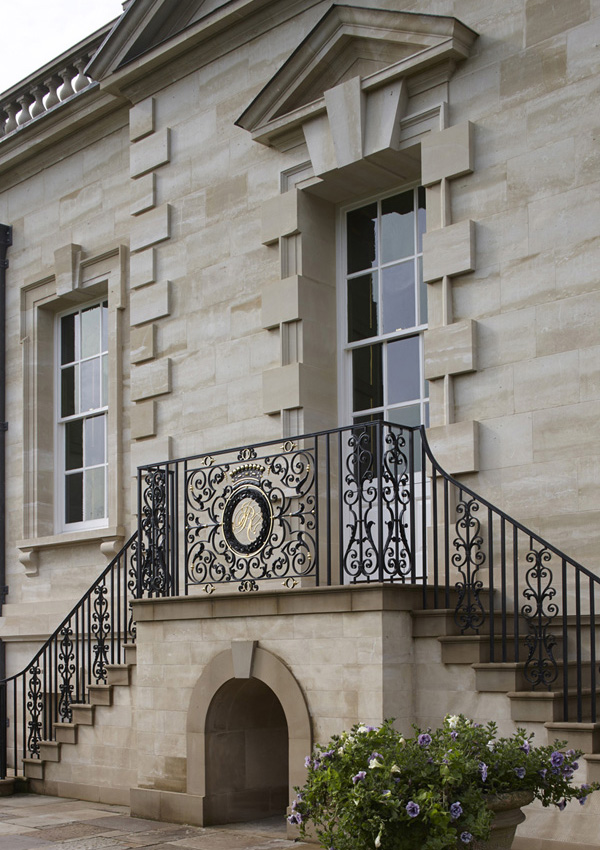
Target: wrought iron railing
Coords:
[[76, 656], [363, 504], [369, 503]]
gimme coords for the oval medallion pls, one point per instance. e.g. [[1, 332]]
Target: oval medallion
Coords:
[[247, 520]]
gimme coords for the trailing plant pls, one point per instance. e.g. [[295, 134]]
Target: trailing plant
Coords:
[[373, 788]]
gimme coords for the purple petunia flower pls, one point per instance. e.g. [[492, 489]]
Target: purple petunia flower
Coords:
[[359, 776], [520, 771], [295, 818], [456, 810], [466, 837], [561, 806], [556, 759], [307, 761], [424, 740], [483, 769], [543, 772], [525, 747], [412, 809], [454, 735]]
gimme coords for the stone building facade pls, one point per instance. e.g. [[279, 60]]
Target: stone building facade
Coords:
[[194, 266]]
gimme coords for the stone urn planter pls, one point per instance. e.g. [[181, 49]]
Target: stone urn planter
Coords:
[[508, 815]]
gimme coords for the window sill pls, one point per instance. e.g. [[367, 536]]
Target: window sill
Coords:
[[111, 539]]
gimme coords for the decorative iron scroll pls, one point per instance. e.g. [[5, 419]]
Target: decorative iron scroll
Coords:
[[469, 613], [251, 519], [100, 630], [541, 668], [35, 709], [66, 670], [376, 498], [152, 545]]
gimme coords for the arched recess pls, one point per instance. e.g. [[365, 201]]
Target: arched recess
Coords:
[[223, 678]]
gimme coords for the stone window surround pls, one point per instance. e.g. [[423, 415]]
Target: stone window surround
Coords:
[[76, 280]]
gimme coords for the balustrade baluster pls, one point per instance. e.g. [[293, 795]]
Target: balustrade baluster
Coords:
[[11, 110], [37, 107], [66, 75], [24, 116], [81, 81], [52, 84]]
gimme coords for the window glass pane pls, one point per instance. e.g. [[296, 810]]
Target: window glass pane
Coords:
[[68, 391], [90, 384], [105, 380], [94, 441], [361, 238], [67, 338], [422, 293], [94, 494], [367, 378], [74, 497], [398, 292], [362, 307], [74, 444], [421, 219], [397, 227], [90, 331], [403, 370]]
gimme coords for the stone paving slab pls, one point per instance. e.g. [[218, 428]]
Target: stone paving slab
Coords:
[[36, 822]]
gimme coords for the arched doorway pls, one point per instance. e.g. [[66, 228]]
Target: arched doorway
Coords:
[[246, 753]]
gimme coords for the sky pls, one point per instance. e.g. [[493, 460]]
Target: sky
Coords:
[[35, 31]]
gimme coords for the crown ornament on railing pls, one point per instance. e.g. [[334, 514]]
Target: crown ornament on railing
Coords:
[[49, 87]]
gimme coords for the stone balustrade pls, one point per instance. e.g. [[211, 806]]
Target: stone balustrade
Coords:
[[46, 89]]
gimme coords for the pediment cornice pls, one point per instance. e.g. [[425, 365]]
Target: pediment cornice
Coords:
[[375, 46]]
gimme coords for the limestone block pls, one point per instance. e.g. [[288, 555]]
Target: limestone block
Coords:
[[449, 251], [346, 111], [547, 381], [150, 153], [296, 385], [143, 420], [151, 379], [543, 19], [147, 452], [141, 119], [385, 108], [142, 268], [66, 265], [456, 446], [143, 343], [320, 144], [450, 350], [279, 217], [506, 441], [294, 298], [151, 227], [152, 302], [448, 153], [143, 194]]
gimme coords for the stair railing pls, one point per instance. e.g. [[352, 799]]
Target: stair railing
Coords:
[[92, 636], [537, 605]]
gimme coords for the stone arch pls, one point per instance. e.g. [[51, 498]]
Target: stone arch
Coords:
[[221, 679]]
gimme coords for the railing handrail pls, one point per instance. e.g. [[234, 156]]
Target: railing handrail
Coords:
[[55, 634], [499, 512]]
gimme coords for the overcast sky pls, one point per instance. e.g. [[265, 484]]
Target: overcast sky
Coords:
[[35, 31]]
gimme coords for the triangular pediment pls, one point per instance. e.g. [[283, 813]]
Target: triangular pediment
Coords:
[[352, 41], [144, 25]]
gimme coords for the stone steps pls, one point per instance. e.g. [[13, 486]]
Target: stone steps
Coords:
[[83, 714]]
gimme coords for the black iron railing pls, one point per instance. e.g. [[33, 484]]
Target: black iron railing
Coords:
[[363, 504], [76, 656]]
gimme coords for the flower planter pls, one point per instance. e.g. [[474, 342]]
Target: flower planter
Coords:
[[508, 815]]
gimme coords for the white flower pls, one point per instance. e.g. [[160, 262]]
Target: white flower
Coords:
[[340, 751], [378, 839], [362, 729], [452, 720], [490, 745], [395, 769], [375, 763]]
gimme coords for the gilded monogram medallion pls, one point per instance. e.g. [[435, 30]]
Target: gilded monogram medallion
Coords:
[[247, 520]]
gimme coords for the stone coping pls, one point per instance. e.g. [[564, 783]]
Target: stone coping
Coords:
[[301, 600]]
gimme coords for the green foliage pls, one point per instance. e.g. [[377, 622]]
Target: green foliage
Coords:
[[371, 787]]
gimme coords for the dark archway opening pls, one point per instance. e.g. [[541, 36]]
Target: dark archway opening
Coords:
[[246, 754]]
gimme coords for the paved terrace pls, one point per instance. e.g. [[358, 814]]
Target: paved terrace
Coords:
[[36, 822]]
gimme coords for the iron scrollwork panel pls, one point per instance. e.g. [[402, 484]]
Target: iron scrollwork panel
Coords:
[[541, 668], [66, 671], [468, 559], [377, 501], [35, 709], [152, 555], [251, 519]]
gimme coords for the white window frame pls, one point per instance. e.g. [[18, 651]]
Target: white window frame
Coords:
[[346, 414], [61, 525]]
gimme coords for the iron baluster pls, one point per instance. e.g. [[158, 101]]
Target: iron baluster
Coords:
[[100, 630], [469, 612], [35, 708], [66, 669], [541, 668]]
